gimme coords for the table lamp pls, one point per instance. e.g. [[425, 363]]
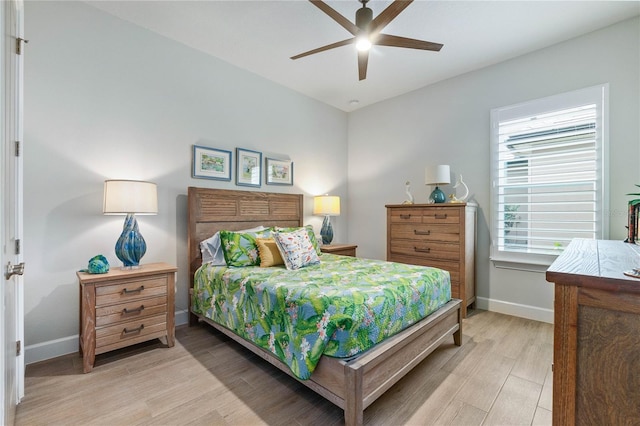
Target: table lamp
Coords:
[[437, 175], [130, 197], [328, 206]]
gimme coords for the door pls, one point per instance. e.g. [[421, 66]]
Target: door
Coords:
[[12, 330]]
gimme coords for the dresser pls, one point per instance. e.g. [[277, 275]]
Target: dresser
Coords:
[[438, 235], [125, 307], [596, 351]]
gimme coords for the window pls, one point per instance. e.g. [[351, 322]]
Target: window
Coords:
[[548, 175]]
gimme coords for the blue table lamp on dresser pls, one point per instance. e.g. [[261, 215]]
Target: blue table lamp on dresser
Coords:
[[130, 197], [437, 175], [327, 206]]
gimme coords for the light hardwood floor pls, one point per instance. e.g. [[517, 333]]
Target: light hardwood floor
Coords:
[[501, 375]]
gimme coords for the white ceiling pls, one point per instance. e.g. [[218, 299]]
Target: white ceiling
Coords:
[[260, 36]]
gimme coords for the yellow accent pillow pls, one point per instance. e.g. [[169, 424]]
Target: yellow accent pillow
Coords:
[[269, 253]]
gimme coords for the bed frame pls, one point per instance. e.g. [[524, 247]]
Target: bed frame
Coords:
[[352, 385]]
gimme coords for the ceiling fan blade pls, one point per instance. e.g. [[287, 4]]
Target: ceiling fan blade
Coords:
[[363, 60], [387, 15], [409, 43], [344, 22], [327, 47]]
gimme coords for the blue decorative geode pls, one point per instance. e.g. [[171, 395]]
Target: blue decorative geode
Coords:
[[98, 265], [130, 247]]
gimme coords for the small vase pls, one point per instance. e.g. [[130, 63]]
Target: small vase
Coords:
[[130, 247]]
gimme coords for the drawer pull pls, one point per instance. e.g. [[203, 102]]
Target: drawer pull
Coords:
[[416, 232], [441, 216], [134, 330], [422, 250], [126, 311], [405, 216], [137, 290]]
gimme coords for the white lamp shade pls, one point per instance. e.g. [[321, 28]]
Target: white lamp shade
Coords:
[[437, 175], [130, 196], [326, 205]]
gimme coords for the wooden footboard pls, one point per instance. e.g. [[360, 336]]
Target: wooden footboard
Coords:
[[354, 385]]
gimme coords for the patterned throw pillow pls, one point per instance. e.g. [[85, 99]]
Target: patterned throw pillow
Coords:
[[269, 253], [240, 248], [296, 249], [312, 236]]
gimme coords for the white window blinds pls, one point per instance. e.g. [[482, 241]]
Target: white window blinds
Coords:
[[548, 173]]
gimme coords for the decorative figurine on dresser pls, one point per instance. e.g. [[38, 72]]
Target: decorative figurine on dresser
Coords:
[[441, 235]]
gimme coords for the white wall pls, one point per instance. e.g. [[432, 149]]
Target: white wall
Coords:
[[106, 99], [448, 123]]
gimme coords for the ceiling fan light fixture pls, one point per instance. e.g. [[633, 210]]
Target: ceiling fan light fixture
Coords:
[[363, 43]]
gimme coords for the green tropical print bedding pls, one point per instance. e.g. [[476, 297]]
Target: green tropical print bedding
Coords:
[[339, 307]]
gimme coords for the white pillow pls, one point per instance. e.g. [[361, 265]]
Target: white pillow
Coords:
[[211, 250]]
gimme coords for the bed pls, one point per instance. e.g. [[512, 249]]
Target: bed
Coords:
[[351, 383]]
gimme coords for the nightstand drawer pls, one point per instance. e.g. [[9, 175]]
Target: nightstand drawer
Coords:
[[131, 310], [422, 232], [135, 289], [122, 332], [425, 249]]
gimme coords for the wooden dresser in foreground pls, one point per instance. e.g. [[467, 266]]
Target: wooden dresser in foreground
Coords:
[[125, 307], [596, 354], [438, 235]]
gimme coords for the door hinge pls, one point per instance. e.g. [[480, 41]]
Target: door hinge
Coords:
[[19, 41], [17, 148], [18, 247], [18, 347]]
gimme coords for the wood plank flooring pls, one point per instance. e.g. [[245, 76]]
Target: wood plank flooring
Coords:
[[501, 375]]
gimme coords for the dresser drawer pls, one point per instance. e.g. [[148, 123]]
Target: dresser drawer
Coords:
[[422, 232], [129, 330], [425, 249], [406, 216], [131, 290], [441, 215], [131, 310]]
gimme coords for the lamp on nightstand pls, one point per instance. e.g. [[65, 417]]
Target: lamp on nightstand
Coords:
[[437, 175], [328, 206], [130, 197]]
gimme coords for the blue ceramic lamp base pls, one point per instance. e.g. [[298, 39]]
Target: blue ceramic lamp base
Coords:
[[326, 232], [130, 247], [437, 196]]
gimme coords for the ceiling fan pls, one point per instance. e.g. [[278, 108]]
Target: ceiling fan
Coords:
[[367, 32]]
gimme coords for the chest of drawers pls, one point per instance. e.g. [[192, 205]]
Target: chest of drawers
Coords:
[[125, 307], [438, 235]]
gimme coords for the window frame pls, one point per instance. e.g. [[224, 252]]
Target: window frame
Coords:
[[596, 94]]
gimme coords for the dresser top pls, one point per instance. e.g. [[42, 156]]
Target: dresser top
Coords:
[[597, 264]]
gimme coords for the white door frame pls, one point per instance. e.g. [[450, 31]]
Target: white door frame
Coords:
[[12, 294]]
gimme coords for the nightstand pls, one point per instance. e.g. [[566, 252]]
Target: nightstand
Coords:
[[341, 249], [125, 307]]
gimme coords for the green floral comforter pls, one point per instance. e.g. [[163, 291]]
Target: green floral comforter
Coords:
[[340, 307]]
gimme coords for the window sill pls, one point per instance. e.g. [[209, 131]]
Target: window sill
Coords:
[[529, 263]]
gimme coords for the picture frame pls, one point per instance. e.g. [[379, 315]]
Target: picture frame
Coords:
[[211, 163], [248, 167], [279, 172]]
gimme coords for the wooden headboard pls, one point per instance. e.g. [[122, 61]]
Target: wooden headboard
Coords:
[[213, 210]]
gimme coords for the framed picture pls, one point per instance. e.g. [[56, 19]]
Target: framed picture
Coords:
[[211, 163], [279, 172], [248, 167]]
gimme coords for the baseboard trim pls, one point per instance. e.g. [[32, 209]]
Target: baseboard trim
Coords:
[[515, 309], [68, 345]]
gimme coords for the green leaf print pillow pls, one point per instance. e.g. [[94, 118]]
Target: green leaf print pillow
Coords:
[[240, 248]]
